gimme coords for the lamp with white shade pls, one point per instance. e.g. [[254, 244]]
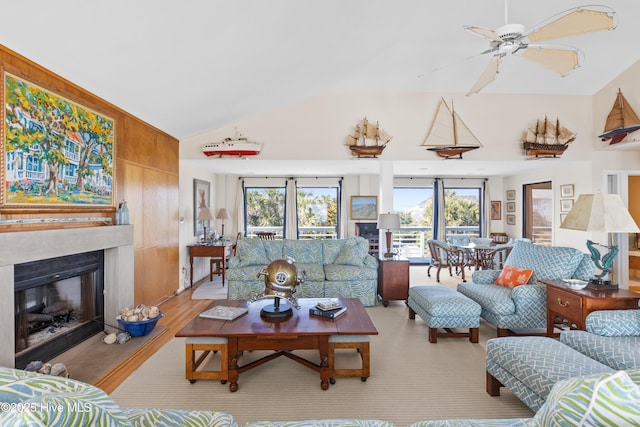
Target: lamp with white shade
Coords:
[[605, 213], [205, 216], [388, 222], [222, 214]]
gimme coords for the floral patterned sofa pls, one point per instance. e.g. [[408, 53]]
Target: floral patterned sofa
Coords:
[[32, 399], [525, 307], [333, 268]]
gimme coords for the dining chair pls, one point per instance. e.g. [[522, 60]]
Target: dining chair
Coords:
[[445, 256]]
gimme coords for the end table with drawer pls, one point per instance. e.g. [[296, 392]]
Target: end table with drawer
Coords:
[[569, 308], [393, 279]]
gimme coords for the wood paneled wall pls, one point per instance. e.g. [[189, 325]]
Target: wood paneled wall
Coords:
[[146, 168]]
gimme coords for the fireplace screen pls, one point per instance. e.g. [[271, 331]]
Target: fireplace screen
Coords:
[[59, 302]]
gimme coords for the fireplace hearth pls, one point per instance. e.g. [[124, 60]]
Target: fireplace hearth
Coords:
[[59, 302]]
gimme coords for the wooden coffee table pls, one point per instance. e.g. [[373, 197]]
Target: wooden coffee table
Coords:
[[299, 332]]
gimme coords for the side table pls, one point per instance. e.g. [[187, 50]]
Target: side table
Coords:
[[393, 279], [569, 307]]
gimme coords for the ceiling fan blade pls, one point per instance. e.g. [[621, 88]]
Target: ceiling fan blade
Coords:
[[487, 76], [483, 32], [573, 22], [560, 61]]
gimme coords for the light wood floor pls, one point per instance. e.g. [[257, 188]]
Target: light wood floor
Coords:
[[178, 310]]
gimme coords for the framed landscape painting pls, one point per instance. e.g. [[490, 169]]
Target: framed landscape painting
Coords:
[[364, 207], [58, 153]]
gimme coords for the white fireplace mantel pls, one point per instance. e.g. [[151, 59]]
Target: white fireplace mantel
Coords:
[[26, 246]]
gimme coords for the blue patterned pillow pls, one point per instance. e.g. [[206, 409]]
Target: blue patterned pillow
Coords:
[[353, 252], [610, 398], [55, 401], [251, 252]]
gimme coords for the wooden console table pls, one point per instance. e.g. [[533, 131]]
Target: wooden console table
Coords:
[[208, 251], [570, 307]]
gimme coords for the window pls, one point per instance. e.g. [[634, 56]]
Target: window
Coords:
[[462, 211], [538, 215], [264, 208], [415, 206], [317, 212]]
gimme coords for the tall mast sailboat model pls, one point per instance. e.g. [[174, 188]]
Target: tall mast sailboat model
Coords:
[[621, 121], [368, 140], [449, 136], [548, 139]]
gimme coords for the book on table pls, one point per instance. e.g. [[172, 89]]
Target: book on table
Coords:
[[331, 314], [329, 304], [224, 312]]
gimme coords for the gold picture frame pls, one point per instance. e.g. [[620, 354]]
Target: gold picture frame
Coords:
[[496, 210], [566, 191], [511, 194], [364, 208]]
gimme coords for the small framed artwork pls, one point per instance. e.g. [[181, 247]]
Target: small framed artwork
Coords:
[[511, 219], [496, 210], [566, 191], [364, 207], [511, 206], [201, 197], [566, 205], [511, 194]]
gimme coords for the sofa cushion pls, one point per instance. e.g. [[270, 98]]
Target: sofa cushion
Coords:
[[598, 399], [614, 323], [353, 252], [496, 299], [303, 251], [331, 250], [56, 401], [511, 276], [616, 352], [313, 272], [547, 262], [334, 272], [251, 252], [273, 249]]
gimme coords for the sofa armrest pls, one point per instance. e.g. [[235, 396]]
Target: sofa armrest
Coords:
[[485, 277], [614, 323], [370, 261], [233, 262]]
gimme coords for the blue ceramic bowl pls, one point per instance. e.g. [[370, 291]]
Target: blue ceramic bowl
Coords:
[[141, 328]]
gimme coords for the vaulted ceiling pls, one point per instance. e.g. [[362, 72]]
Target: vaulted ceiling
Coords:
[[191, 66]]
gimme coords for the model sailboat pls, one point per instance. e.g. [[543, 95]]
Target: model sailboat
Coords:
[[621, 121], [449, 136], [548, 139], [368, 140]]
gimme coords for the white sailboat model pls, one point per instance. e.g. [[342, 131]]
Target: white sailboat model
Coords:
[[449, 136]]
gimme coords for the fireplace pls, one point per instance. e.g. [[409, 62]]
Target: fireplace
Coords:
[[59, 302], [21, 247]]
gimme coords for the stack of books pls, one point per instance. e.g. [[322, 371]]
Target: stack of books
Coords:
[[224, 312], [330, 308]]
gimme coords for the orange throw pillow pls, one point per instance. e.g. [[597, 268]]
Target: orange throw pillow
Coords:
[[512, 276]]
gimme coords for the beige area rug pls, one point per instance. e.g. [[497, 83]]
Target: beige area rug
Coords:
[[210, 290], [411, 380]]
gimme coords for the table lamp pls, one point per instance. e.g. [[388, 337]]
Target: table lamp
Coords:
[[388, 222], [205, 215], [600, 213], [222, 214]]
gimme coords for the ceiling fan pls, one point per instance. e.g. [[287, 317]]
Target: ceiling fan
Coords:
[[512, 39]]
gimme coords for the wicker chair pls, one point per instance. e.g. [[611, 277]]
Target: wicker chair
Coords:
[[494, 259], [444, 256], [266, 235]]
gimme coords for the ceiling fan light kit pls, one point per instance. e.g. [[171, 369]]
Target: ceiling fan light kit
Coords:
[[512, 39]]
